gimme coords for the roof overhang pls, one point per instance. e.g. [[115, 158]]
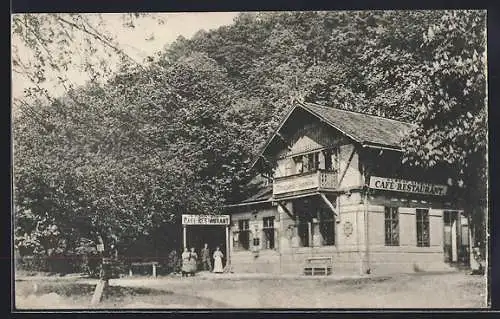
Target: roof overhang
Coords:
[[292, 197], [380, 146], [249, 203]]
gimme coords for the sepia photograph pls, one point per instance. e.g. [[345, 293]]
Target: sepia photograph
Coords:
[[250, 160]]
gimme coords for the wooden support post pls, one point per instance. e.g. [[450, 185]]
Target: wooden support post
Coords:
[[228, 260], [454, 237], [329, 204], [285, 209], [130, 271], [346, 167], [309, 229], [154, 270]]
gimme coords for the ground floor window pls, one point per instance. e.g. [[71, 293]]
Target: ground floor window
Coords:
[[244, 234], [268, 229], [423, 239], [315, 226], [303, 228], [391, 226]]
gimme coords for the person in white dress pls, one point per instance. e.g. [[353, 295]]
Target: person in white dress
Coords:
[[185, 262], [218, 261]]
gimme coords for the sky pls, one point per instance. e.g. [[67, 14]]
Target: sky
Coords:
[[145, 39]]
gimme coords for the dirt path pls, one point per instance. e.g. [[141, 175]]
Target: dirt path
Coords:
[[448, 291], [444, 290]]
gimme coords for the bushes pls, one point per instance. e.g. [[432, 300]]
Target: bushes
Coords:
[[32, 264], [87, 260], [83, 259], [173, 262]]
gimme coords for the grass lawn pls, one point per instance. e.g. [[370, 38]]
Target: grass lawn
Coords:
[[419, 290]]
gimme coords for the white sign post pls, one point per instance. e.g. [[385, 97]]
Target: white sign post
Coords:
[[207, 220]]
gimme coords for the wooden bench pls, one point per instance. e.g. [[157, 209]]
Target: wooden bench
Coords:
[[152, 264], [318, 266]]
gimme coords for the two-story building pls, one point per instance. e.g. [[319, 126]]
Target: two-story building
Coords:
[[336, 197]]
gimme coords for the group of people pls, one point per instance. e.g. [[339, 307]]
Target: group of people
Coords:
[[190, 261]]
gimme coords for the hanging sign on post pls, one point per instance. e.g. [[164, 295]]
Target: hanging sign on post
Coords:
[[205, 219]]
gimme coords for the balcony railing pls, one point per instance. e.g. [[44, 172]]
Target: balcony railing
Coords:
[[313, 181]]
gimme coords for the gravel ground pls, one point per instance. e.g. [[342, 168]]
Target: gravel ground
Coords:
[[420, 290]]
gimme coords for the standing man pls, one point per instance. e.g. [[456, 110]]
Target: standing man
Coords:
[[205, 258]]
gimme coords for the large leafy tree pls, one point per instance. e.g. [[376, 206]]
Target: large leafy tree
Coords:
[[362, 61], [452, 112], [119, 156]]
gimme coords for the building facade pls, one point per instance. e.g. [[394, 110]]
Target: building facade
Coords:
[[336, 199]]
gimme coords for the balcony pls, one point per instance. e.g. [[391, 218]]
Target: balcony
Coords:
[[306, 182]]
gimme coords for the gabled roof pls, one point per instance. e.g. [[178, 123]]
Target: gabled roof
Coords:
[[363, 128], [367, 130]]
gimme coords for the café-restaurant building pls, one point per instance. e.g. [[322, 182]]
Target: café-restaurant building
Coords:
[[335, 198]]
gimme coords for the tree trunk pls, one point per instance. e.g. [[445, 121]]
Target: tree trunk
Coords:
[[102, 285], [99, 292]]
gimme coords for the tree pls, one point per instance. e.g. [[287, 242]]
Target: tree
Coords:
[[49, 51], [452, 120], [93, 164], [114, 159]]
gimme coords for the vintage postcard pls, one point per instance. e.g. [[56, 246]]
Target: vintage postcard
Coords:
[[244, 160]]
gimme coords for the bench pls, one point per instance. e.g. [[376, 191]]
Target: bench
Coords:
[[152, 264], [318, 266]]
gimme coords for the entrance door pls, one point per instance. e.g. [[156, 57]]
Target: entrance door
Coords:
[[306, 210], [451, 236], [213, 235]]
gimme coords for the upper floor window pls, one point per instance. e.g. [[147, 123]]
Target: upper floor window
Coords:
[[391, 226], [299, 165], [331, 160], [325, 160], [306, 163], [311, 162]]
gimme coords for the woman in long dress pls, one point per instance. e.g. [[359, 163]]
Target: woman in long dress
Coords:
[[193, 262], [185, 262], [218, 261]]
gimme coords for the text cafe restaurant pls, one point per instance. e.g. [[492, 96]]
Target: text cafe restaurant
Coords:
[[335, 198]]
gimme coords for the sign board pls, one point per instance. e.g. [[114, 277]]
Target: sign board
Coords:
[[100, 247], [400, 185], [297, 183], [205, 219]]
